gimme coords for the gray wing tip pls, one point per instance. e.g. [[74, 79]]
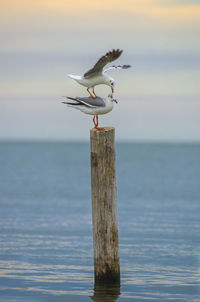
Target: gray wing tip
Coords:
[[115, 52], [121, 66], [126, 66], [70, 98]]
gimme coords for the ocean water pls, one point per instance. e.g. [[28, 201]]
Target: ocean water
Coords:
[[46, 249]]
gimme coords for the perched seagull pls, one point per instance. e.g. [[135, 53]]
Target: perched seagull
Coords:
[[98, 75], [92, 106]]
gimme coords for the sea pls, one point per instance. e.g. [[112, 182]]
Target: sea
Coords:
[[46, 245]]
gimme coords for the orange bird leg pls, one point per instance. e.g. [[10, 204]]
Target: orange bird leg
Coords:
[[94, 93], [97, 119], [90, 93], [96, 124], [94, 121]]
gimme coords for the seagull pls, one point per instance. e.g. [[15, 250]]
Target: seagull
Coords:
[[98, 74], [92, 106]]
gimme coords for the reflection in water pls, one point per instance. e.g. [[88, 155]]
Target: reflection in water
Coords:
[[106, 292]]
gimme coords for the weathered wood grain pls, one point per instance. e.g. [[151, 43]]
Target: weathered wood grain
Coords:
[[104, 207]]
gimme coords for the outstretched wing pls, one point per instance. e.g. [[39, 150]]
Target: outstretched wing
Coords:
[[117, 67], [103, 61]]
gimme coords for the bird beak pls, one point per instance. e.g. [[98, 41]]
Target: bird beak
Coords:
[[112, 89], [114, 100]]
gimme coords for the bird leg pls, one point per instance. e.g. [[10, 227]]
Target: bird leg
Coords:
[[94, 93], [95, 121], [90, 93]]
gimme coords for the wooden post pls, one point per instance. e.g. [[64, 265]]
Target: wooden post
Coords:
[[104, 207]]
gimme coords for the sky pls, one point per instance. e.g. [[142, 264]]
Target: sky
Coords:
[[42, 41]]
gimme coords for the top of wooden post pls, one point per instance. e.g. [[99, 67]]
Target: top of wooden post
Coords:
[[102, 129], [105, 136]]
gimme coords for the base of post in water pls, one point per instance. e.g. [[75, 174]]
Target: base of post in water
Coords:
[[106, 292], [109, 277]]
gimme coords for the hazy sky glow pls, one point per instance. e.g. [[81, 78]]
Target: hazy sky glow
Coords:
[[42, 41]]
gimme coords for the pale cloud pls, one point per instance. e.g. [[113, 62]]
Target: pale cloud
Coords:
[[50, 24], [56, 26], [58, 33], [43, 40], [151, 8]]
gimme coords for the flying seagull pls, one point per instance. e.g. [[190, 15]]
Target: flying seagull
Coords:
[[98, 74], [92, 106]]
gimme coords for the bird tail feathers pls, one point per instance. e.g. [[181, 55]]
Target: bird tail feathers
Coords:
[[70, 98], [74, 77], [71, 103]]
